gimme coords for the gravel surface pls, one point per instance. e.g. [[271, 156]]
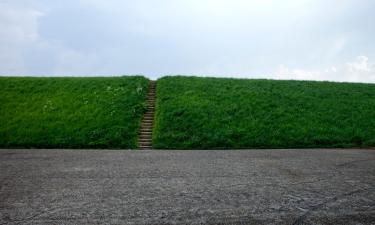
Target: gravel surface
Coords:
[[187, 187]]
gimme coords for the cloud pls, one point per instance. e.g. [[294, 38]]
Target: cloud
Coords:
[[23, 48], [18, 31], [360, 70], [359, 66], [18, 25]]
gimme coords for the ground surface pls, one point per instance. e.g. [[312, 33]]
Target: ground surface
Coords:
[[187, 187]]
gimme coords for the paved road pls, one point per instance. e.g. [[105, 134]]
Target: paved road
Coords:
[[187, 187]]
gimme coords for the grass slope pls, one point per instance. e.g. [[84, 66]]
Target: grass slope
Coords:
[[71, 112], [209, 113]]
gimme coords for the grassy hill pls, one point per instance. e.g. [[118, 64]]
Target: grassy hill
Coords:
[[213, 113], [71, 112]]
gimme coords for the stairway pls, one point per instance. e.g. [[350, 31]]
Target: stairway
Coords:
[[145, 136]]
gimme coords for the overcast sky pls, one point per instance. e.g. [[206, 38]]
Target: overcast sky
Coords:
[[290, 39]]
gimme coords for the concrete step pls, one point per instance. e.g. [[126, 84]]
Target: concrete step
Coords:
[[141, 137], [144, 140]]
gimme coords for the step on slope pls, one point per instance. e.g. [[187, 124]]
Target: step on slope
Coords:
[[145, 135]]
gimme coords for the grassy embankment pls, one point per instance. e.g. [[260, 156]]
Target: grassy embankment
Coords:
[[71, 112], [211, 113]]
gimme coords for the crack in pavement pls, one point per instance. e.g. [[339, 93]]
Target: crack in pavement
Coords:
[[355, 161], [299, 220]]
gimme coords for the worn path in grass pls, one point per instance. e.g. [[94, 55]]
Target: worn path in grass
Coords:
[[187, 187]]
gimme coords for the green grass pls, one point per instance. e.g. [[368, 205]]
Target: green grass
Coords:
[[71, 112], [213, 113]]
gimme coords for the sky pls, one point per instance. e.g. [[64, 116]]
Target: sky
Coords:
[[291, 39]]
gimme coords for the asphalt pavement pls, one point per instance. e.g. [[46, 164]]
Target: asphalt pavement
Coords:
[[317, 186]]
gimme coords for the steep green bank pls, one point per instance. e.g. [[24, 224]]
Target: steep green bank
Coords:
[[71, 112], [212, 113]]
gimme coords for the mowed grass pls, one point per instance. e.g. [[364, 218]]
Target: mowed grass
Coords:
[[71, 112], [213, 113]]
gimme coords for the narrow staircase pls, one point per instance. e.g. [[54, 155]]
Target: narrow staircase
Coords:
[[145, 136]]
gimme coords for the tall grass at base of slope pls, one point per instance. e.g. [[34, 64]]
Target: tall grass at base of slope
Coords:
[[215, 113], [71, 112]]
